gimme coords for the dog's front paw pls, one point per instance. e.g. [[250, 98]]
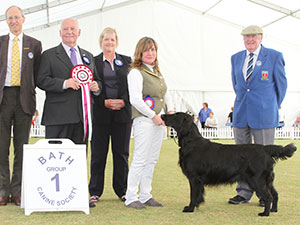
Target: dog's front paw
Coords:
[[263, 214], [274, 209], [188, 209]]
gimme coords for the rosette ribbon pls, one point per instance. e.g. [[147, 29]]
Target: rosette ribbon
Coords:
[[84, 75]]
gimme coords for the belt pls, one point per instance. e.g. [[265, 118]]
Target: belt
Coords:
[[10, 87]]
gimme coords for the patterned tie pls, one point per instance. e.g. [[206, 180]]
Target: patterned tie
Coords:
[[73, 56], [15, 64], [250, 66]]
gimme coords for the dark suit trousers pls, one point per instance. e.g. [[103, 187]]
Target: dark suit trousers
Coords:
[[120, 138], [74, 132], [11, 114]]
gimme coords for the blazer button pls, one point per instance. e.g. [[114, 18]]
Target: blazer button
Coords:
[[248, 90]]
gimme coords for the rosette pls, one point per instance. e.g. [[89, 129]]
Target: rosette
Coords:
[[84, 75]]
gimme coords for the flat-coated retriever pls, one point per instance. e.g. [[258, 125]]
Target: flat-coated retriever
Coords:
[[207, 163]]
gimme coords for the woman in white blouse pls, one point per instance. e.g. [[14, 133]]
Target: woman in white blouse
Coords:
[[149, 98]]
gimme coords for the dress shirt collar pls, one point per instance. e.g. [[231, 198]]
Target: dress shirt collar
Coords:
[[104, 58], [111, 64], [67, 48], [150, 67], [256, 52], [12, 36]]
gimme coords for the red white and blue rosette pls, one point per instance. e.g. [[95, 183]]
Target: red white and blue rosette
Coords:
[[84, 75], [149, 101]]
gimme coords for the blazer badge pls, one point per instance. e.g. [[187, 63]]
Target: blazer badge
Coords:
[[264, 75]]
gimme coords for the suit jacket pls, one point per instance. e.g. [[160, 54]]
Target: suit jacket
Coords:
[[103, 115], [258, 100], [62, 106], [29, 67]]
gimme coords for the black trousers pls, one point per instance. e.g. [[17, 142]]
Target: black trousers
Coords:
[[74, 132], [12, 115], [119, 133]]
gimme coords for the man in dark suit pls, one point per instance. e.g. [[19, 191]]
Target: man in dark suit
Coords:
[[260, 84], [19, 59], [63, 113]]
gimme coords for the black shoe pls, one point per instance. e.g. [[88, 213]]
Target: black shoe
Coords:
[[93, 200], [123, 198], [238, 200], [92, 204], [261, 202]]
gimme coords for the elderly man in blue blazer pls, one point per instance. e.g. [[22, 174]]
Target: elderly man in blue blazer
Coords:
[[259, 82]]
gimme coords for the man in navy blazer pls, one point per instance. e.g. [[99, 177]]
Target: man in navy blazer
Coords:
[[259, 82]]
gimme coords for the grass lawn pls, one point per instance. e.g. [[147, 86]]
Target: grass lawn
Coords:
[[171, 188]]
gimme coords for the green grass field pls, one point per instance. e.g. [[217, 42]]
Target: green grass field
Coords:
[[171, 188]]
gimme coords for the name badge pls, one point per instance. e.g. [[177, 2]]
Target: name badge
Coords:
[[30, 55]]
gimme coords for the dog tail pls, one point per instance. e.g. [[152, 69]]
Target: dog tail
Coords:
[[280, 152]]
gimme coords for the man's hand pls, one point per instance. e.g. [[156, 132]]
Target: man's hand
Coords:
[[94, 86], [72, 83]]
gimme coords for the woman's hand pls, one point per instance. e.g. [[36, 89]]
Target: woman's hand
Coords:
[[157, 120], [114, 104]]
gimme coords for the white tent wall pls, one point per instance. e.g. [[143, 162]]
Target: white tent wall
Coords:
[[194, 52]]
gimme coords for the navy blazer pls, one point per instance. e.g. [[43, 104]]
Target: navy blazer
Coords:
[[101, 114], [258, 99]]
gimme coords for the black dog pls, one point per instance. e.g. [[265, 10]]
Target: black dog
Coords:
[[208, 163]]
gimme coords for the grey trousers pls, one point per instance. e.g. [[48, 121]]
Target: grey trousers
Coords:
[[245, 136]]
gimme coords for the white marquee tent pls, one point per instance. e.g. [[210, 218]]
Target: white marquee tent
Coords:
[[196, 39]]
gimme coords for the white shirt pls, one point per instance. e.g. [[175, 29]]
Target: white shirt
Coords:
[[281, 115], [10, 45], [135, 88], [209, 121], [255, 56]]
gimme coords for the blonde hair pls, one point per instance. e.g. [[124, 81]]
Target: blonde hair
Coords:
[[108, 30], [143, 45]]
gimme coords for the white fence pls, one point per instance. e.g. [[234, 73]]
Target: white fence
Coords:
[[219, 133], [227, 133], [37, 131]]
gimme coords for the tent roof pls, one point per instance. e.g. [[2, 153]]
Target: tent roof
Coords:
[[277, 17]]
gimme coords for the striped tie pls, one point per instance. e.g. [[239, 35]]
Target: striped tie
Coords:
[[250, 66], [15, 64]]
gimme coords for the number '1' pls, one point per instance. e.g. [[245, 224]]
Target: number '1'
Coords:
[[56, 178]]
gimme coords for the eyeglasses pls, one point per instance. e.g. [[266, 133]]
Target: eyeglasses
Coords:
[[10, 18]]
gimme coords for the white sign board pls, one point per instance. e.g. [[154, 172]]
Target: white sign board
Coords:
[[54, 177]]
